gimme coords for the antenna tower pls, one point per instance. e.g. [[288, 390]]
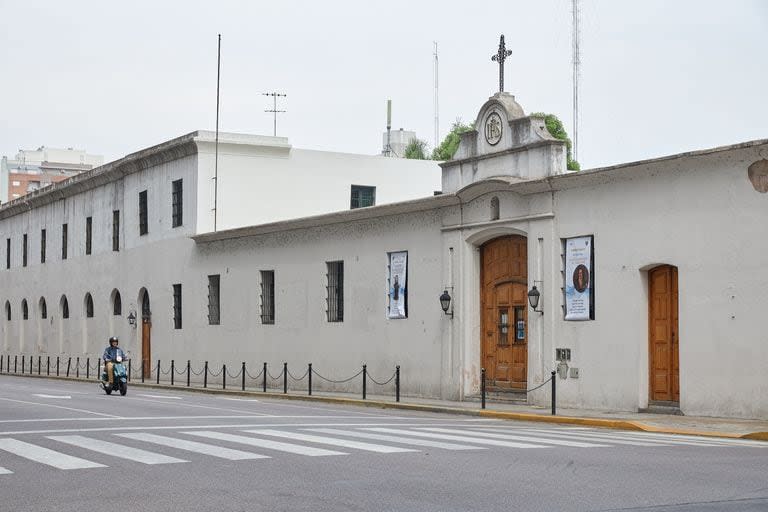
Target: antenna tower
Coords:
[[576, 62], [274, 107], [437, 110]]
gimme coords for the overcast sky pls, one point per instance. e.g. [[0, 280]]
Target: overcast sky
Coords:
[[657, 77]]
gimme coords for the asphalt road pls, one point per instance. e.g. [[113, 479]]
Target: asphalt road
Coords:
[[66, 446]]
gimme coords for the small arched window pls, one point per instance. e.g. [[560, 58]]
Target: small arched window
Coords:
[[494, 208], [8, 311], [43, 308], [24, 310], [88, 305], [64, 307], [117, 303]]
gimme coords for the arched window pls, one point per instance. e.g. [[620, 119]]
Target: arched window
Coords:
[[64, 303], [43, 308], [8, 311], [24, 310], [88, 305], [494, 208], [117, 303]]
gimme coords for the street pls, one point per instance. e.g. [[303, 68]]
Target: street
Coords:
[[66, 446]]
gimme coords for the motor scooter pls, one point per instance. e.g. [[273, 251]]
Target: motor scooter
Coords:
[[119, 378]]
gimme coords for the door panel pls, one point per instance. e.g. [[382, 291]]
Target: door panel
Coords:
[[146, 356], [663, 342]]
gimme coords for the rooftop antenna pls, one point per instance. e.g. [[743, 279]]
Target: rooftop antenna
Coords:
[[437, 111], [216, 145], [576, 61], [388, 148], [274, 110]]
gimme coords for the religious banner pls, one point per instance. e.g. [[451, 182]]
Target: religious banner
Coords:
[[398, 267], [579, 289]]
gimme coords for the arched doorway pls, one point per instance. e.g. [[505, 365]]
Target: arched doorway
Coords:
[[146, 330], [504, 310], [663, 339]]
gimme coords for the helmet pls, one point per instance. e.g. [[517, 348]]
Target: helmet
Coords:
[[113, 338]]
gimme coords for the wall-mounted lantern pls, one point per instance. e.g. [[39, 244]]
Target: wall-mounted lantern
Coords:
[[534, 296], [132, 319], [445, 303]]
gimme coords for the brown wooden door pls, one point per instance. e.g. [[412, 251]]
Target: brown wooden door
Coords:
[[146, 354], [504, 321], [664, 350]]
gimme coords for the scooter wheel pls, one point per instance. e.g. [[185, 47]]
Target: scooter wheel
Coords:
[[108, 390], [123, 388]]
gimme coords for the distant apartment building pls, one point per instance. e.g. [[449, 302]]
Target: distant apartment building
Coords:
[[394, 142], [38, 168]]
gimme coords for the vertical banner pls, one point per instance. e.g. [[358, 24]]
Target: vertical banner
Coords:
[[578, 278], [398, 268]]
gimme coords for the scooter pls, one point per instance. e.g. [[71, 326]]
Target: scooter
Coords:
[[119, 378]]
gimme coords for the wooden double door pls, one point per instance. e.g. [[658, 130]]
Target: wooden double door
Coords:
[[504, 307], [664, 343]]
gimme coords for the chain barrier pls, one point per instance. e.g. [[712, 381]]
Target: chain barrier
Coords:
[[382, 383], [540, 385], [210, 372], [254, 377], [300, 378], [338, 381], [235, 375], [279, 375], [193, 372]]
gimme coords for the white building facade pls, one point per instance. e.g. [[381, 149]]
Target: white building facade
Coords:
[[650, 275]]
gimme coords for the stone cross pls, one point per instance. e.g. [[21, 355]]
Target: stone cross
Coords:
[[500, 57]]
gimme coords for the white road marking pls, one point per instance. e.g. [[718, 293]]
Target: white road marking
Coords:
[[117, 450], [162, 396], [724, 441], [194, 446], [460, 438], [238, 399], [345, 443], [266, 443], [567, 435], [609, 436], [525, 439], [67, 397], [59, 407], [46, 456], [4, 471], [396, 439]]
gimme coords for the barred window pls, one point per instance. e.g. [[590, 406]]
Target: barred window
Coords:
[[7, 253], [8, 311], [64, 236], [24, 310], [43, 308], [177, 306], [24, 250], [176, 203], [335, 291], [116, 230], [42, 245], [213, 300], [88, 305], [268, 296], [362, 196], [88, 234], [143, 222], [64, 307], [117, 304]]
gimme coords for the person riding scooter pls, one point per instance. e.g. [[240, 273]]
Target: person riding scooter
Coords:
[[112, 354]]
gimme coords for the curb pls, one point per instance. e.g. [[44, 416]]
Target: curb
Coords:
[[439, 409]]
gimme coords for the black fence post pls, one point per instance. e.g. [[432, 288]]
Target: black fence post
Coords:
[[205, 378], [173, 370], [57, 366], [48, 366], [77, 370], [23, 359], [482, 388], [397, 383], [69, 364], [243, 371], [158, 371], [224, 376], [554, 393], [142, 370], [365, 378], [15, 363], [189, 364], [309, 374], [1, 364], [129, 370], [265, 377], [285, 378], [30, 365], [87, 367]]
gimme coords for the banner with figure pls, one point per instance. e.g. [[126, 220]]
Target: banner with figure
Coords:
[[579, 289], [398, 268]]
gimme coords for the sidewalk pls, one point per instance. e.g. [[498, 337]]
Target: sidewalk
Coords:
[[658, 423]]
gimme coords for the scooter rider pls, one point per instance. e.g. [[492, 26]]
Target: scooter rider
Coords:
[[111, 354]]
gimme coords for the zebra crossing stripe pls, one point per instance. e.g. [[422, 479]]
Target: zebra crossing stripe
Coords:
[[45, 456], [266, 443], [578, 436], [194, 446], [515, 437], [709, 440], [671, 440], [396, 439], [4, 471], [346, 443], [117, 450], [460, 438]]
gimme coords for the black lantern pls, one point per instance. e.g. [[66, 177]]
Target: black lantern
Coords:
[[132, 319], [533, 299], [445, 303]]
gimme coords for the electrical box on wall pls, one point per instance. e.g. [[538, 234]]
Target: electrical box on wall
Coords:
[[574, 373]]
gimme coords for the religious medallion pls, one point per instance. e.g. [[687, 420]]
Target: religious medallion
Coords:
[[493, 128]]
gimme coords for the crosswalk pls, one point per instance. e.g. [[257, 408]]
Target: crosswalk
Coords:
[[65, 452]]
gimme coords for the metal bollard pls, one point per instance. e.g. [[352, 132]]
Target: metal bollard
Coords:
[[189, 365], [23, 359], [77, 369], [69, 364], [482, 388], [173, 370], [554, 393], [129, 370], [1, 364], [158, 371], [285, 378], [57, 366], [265, 376], [243, 371], [142, 370], [205, 378], [48, 366], [365, 378], [87, 368], [224, 376], [309, 373], [397, 383], [30, 365]]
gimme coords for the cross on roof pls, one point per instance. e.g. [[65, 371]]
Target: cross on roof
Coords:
[[500, 57]]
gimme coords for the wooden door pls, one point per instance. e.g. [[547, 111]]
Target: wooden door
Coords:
[[504, 321], [146, 354], [664, 360]]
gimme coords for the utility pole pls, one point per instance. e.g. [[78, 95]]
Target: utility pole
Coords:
[[437, 111], [576, 61], [274, 107]]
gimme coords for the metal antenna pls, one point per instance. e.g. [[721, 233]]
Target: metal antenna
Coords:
[[576, 62], [274, 106], [437, 110], [216, 146]]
